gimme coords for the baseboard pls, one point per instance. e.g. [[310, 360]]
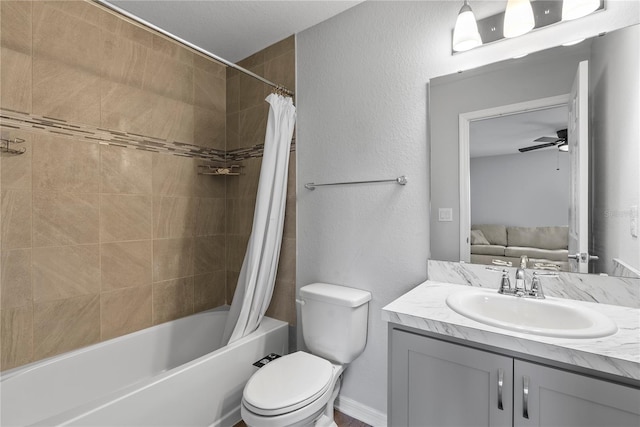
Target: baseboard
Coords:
[[361, 412]]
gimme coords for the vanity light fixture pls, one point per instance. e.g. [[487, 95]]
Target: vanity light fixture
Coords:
[[518, 18], [465, 33], [574, 9], [573, 42]]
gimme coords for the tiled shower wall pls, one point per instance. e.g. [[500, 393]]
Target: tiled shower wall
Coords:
[[246, 125], [99, 240]]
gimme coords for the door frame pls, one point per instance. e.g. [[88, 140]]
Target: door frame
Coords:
[[464, 121]]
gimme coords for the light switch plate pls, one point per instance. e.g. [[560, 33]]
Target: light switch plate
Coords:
[[445, 214]]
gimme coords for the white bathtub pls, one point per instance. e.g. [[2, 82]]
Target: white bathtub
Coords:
[[173, 374]]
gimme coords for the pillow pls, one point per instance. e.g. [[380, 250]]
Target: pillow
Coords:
[[477, 238], [495, 234]]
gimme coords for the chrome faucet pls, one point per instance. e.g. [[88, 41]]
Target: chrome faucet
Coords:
[[521, 285]]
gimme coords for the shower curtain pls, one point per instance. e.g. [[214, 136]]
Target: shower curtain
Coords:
[[258, 273]]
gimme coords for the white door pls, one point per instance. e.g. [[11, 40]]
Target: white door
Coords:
[[578, 139]]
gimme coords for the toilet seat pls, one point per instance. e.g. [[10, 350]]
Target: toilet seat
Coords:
[[288, 383]]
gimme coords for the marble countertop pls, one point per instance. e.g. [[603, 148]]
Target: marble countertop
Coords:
[[425, 308]]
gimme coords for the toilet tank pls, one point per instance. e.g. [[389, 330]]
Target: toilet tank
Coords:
[[334, 321]]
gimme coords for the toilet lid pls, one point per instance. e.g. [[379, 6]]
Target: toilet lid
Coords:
[[288, 383]]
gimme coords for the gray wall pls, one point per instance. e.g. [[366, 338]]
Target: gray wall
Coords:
[[523, 189], [615, 97], [362, 114]]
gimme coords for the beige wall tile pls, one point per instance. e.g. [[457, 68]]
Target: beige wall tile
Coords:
[[174, 216], [141, 112], [209, 186], [80, 9], [123, 28], [210, 66], [173, 176], [65, 92], [210, 217], [251, 91], [209, 91], [168, 77], [172, 49], [65, 272], [16, 290], [233, 94], [125, 217], [65, 325], [233, 131], [236, 248], [65, 218], [16, 336], [282, 306], [245, 185], [16, 170], [290, 218], [126, 264], [172, 299], [278, 70], [209, 254], [232, 282], [16, 219], [253, 60], [283, 46], [287, 262], [123, 60], [253, 125], [15, 25], [240, 215], [124, 170], [172, 258], [64, 164], [209, 128], [125, 310], [209, 291], [15, 80], [60, 34]]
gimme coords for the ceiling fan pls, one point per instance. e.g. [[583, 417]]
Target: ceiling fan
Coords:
[[560, 142]]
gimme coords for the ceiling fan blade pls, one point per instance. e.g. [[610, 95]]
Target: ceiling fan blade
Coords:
[[546, 139], [536, 147]]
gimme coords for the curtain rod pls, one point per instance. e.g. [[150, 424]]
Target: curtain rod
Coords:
[[190, 45]]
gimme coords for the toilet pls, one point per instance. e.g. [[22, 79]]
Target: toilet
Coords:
[[299, 389]]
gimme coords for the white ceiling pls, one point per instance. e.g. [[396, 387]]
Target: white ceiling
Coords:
[[505, 134], [236, 29]]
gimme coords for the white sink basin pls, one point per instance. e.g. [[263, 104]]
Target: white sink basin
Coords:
[[548, 317]]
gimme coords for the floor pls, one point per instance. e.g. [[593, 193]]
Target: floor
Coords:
[[341, 419]]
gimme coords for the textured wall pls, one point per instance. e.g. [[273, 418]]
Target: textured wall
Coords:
[[362, 114], [97, 240]]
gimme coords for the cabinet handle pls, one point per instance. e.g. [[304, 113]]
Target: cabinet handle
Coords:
[[525, 397], [500, 383]]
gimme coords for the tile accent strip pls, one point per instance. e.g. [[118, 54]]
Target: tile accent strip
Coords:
[[18, 120]]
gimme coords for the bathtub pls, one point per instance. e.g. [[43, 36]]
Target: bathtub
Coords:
[[173, 374]]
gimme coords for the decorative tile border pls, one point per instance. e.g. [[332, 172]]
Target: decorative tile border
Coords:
[[622, 291], [17, 120]]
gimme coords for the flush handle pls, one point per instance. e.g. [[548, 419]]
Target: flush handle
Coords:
[[500, 384], [525, 397]]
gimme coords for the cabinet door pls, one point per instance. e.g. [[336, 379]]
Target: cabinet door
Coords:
[[559, 398], [435, 383]]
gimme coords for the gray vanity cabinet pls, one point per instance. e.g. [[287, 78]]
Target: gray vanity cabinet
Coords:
[[560, 398], [438, 383]]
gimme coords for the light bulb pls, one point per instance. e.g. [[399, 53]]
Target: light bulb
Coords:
[[518, 18], [465, 33]]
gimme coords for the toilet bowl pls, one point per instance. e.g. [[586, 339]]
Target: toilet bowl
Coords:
[[299, 389], [294, 390]]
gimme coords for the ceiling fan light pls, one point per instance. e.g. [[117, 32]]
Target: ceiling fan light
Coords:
[[564, 146], [574, 9], [518, 18], [465, 33]]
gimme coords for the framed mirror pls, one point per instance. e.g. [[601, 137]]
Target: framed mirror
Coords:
[[500, 185]]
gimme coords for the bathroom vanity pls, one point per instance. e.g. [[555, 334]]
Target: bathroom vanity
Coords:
[[448, 370]]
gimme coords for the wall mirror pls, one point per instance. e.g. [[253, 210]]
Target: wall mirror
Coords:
[[502, 184]]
